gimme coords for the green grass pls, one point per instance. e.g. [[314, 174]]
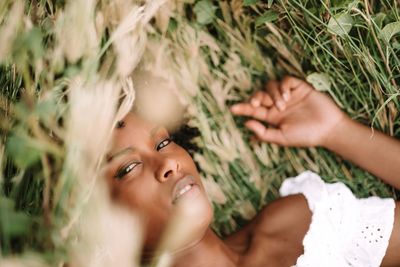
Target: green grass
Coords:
[[297, 38], [216, 53]]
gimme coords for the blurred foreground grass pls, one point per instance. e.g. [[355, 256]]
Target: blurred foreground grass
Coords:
[[215, 53]]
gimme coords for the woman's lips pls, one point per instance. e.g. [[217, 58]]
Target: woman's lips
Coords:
[[183, 187]]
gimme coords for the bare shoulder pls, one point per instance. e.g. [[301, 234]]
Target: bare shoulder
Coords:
[[392, 257], [280, 229], [288, 216], [277, 233]]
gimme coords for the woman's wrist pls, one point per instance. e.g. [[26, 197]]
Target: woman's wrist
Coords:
[[338, 133]]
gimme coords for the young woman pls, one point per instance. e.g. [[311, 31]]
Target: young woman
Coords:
[[313, 224]]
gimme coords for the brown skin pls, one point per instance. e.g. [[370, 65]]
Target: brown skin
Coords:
[[302, 117], [157, 164]]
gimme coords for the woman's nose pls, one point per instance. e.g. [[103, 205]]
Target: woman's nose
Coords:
[[169, 167]]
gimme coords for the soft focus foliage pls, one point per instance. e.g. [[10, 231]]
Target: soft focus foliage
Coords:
[[65, 83], [65, 77]]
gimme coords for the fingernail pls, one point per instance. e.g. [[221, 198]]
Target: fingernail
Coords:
[[255, 102], [247, 124], [233, 108], [285, 96], [280, 105]]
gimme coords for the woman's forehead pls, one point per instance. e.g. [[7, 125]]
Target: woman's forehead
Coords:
[[133, 121], [135, 128], [132, 133]]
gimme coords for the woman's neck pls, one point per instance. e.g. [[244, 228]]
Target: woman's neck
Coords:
[[210, 251]]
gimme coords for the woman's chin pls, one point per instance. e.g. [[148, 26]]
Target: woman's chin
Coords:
[[192, 216], [193, 205]]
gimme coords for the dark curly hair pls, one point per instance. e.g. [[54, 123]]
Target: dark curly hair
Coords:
[[184, 137]]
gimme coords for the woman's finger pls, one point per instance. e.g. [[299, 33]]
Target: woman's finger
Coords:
[[272, 88], [261, 98], [247, 109], [265, 134], [290, 83], [285, 90], [242, 109], [256, 99]]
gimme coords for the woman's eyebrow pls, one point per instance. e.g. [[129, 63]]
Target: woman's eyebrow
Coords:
[[155, 130], [131, 149], [128, 149]]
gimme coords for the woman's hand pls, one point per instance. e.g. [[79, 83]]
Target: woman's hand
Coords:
[[297, 114]]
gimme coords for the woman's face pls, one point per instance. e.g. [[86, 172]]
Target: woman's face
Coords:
[[153, 176]]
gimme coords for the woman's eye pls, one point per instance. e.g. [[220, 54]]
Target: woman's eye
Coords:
[[164, 143], [125, 170]]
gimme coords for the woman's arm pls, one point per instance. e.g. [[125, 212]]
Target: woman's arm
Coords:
[[371, 150], [302, 116]]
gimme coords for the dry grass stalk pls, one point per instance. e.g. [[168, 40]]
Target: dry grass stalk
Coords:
[[9, 30]]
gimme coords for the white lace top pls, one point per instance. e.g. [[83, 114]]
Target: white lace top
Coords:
[[344, 231]]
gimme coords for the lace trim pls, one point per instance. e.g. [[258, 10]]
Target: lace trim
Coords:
[[344, 231]]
